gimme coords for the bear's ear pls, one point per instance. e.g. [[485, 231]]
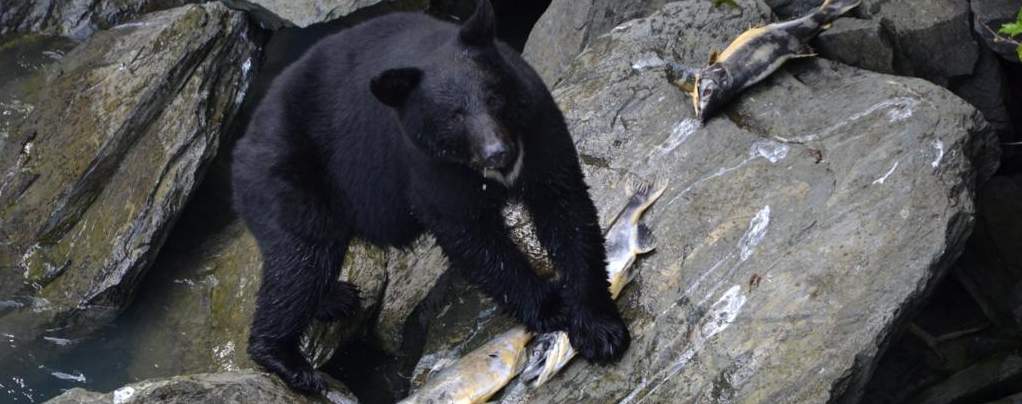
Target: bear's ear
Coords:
[[480, 28], [393, 86]]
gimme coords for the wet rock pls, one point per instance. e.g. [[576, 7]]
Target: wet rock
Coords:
[[75, 18], [194, 314], [568, 26], [213, 388], [799, 226], [982, 379], [91, 181], [411, 275], [988, 16], [22, 56]]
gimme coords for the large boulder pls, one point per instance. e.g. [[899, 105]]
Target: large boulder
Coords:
[[91, 181], [74, 18], [212, 388], [276, 14], [934, 40], [568, 26], [799, 228], [197, 309]]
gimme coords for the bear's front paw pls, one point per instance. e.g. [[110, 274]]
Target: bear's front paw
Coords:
[[599, 337], [305, 381], [284, 360], [340, 302]]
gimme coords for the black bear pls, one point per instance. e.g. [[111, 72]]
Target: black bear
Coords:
[[405, 124]]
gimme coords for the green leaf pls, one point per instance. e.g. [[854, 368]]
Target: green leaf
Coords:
[[1011, 29], [1019, 51]]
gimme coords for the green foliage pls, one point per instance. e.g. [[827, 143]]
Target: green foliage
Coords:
[[1013, 29], [718, 3]]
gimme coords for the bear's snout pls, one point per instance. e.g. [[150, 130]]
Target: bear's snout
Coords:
[[497, 155], [492, 146]]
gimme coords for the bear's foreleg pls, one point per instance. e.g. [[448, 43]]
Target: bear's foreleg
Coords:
[[482, 250]]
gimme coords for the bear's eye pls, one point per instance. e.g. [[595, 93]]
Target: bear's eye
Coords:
[[458, 116], [494, 101]]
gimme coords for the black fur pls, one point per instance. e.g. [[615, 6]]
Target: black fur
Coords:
[[383, 132]]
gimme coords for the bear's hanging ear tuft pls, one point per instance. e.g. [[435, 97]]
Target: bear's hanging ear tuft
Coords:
[[480, 29], [393, 86]]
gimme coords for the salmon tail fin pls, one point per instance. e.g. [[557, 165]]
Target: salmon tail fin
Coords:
[[646, 241], [634, 185], [643, 193], [832, 9]]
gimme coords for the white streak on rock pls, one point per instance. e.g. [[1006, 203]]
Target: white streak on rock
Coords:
[[718, 318], [753, 236], [679, 134], [123, 394], [648, 61], [898, 109], [939, 145], [770, 150], [887, 175]]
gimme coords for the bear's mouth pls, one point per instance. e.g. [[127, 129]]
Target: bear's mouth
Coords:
[[507, 175]]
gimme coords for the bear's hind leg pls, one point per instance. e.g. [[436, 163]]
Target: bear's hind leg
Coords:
[[340, 301], [297, 277]]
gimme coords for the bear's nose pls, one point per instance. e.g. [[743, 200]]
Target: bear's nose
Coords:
[[496, 155]]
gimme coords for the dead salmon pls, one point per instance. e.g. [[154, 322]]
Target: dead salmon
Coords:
[[752, 57], [480, 374], [626, 239]]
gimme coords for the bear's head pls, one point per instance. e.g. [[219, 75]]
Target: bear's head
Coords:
[[462, 104]]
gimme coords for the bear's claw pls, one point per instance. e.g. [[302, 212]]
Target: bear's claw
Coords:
[[599, 338]]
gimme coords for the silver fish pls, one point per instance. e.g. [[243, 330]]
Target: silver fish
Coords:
[[480, 374], [625, 241], [752, 57]]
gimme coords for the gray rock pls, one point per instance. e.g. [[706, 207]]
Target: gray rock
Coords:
[[788, 9], [988, 16], [92, 180], [933, 38], [798, 228], [857, 42], [568, 26], [986, 89], [411, 275], [239, 387], [275, 14], [193, 316], [75, 18]]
